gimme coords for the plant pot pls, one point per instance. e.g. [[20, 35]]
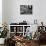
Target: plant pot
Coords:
[[2, 40]]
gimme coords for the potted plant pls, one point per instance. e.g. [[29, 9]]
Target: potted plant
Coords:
[[3, 34]]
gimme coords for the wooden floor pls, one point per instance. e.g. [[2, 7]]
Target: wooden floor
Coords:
[[42, 45], [32, 45], [2, 45]]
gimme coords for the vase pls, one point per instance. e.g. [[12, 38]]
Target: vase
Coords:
[[2, 40]]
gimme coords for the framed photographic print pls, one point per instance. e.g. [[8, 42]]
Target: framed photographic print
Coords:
[[26, 9]]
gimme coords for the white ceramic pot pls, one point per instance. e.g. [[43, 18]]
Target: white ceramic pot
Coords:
[[2, 40]]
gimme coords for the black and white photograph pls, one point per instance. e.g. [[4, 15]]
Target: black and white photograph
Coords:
[[25, 9]]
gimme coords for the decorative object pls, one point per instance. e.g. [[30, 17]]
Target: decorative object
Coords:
[[2, 40], [35, 21], [25, 9], [28, 33], [4, 32]]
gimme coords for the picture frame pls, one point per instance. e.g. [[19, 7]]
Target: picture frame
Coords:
[[26, 9]]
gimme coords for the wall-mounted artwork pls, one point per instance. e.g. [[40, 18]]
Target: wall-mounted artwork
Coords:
[[26, 9]]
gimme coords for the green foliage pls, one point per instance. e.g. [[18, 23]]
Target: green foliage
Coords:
[[4, 32]]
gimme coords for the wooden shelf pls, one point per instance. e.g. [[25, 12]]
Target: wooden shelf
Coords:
[[19, 29]]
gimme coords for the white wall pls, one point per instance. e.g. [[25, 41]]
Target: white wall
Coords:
[[12, 11], [42, 12], [4, 11], [0, 13], [15, 10]]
